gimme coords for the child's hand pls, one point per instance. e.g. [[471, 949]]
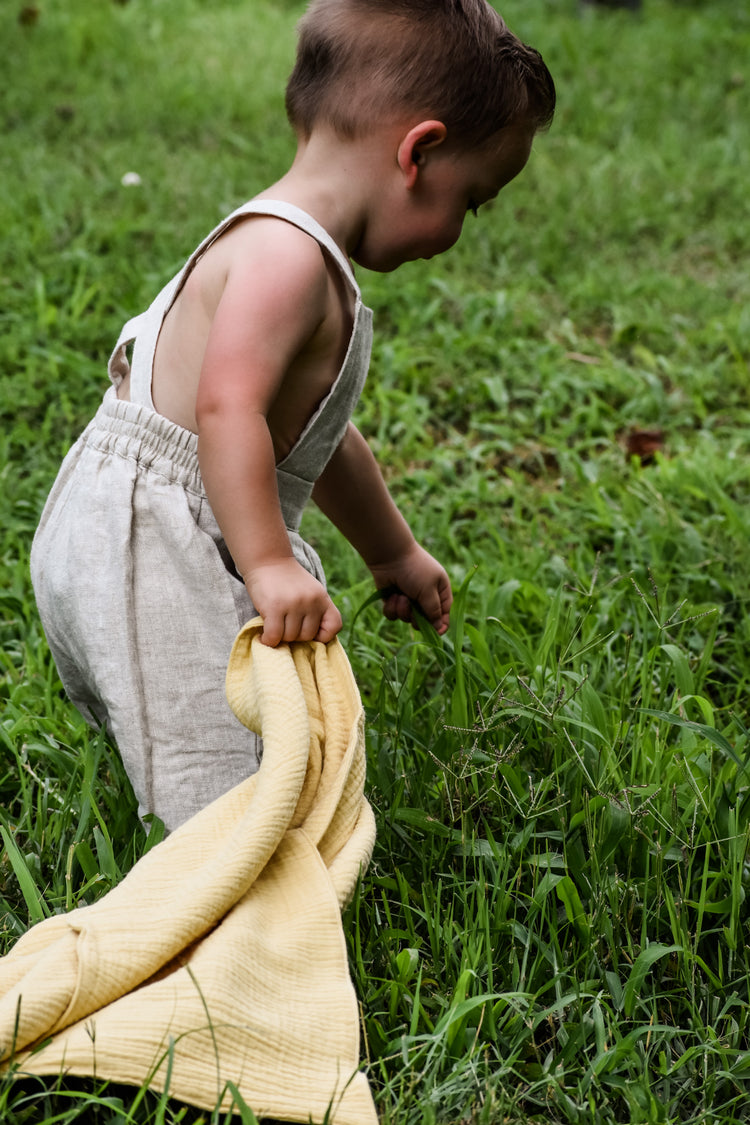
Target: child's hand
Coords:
[[418, 579], [293, 604]]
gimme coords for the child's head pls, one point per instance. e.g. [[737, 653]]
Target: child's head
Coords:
[[365, 62]]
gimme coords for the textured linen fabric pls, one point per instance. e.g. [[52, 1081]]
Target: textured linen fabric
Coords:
[[221, 956], [139, 598]]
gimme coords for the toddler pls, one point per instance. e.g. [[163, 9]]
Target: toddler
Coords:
[[175, 516]]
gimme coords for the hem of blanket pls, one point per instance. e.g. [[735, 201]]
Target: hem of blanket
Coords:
[[353, 1105]]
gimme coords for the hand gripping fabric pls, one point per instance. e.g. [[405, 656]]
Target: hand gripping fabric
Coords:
[[221, 958]]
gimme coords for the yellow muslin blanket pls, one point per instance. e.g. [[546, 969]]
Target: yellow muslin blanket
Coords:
[[221, 958]]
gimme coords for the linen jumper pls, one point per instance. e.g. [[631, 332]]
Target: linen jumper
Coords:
[[137, 592]]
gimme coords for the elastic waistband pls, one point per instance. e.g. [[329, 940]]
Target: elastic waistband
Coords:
[[125, 429], [137, 433]]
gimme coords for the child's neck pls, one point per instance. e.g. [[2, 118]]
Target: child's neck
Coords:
[[332, 180]]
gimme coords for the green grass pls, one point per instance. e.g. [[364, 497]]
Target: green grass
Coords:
[[553, 926]]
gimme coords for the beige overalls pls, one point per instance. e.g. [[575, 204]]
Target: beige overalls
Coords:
[[139, 598]]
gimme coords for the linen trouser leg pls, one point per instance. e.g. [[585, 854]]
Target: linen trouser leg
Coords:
[[140, 612]]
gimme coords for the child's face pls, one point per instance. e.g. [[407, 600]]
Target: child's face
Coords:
[[450, 185]]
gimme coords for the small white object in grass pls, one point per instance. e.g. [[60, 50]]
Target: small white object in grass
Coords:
[[131, 179]]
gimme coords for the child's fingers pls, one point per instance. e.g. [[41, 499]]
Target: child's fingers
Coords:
[[432, 608], [434, 604], [273, 630], [330, 624], [397, 607], [445, 601], [323, 628], [307, 629], [290, 627], [294, 626]]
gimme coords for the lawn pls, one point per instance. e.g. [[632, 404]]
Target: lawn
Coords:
[[553, 928]]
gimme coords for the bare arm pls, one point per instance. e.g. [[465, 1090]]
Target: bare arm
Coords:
[[353, 495], [273, 302]]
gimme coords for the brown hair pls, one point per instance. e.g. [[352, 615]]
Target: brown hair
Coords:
[[360, 61]]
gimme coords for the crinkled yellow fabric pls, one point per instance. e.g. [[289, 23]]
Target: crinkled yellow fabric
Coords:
[[221, 958]]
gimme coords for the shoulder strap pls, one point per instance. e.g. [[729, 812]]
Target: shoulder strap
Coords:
[[299, 218], [144, 329]]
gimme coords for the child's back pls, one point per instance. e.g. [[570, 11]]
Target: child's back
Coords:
[[257, 256]]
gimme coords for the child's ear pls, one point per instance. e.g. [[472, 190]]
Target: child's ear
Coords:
[[415, 145]]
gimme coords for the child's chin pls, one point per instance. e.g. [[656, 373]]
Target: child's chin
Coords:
[[383, 262]]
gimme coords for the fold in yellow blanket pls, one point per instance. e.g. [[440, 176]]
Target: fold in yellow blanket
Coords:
[[221, 957]]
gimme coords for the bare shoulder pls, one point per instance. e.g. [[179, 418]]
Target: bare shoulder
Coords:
[[268, 259], [264, 290]]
